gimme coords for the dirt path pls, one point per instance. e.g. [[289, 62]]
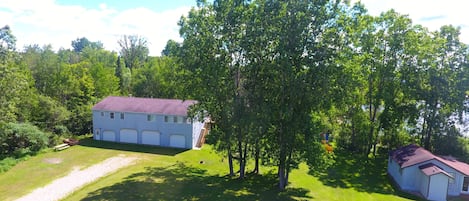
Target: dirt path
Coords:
[[61, 187]]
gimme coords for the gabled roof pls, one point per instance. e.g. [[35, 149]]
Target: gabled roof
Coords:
[[144, 105], [413, 154], [410, 155], [430, 169]]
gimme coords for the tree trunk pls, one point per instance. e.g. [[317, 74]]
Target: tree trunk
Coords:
[[281, 174], [282, 163], [288, 167], [428, 136], [241, 155], [242, 169], [424, 130], [430, 126], [374, 148], [230, 162], [256, 158], [352, 138]]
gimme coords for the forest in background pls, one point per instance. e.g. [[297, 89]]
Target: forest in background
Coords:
[[272, 75]]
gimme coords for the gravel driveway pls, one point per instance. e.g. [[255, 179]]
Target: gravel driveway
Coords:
[[61, 187]]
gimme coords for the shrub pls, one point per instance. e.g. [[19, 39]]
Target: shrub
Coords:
[[61, 130], [7, 163], [21, 139]]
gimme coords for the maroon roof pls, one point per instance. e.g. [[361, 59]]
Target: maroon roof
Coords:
[[410, 155], [430, 169], [457, 165], [144, 105], [413, 154]]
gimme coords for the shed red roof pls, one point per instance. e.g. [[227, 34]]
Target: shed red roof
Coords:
[[413, 154], [144, 105], [430, 169]]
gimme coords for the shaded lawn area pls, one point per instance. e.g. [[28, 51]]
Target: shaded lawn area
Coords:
[[183, 177], [362, 174], [174, 174], [181, 182]]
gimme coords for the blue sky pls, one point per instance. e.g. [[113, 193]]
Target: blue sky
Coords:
[[58, 22]]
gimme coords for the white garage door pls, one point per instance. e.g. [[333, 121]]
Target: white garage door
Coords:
[[109, 136], [151, 137], [177, 141], [128, 136]]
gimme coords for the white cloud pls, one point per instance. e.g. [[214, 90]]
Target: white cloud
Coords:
[[430, 13], [45, 22]]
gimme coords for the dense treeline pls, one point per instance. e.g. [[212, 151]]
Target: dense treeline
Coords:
[[48, 95], [272, 75]]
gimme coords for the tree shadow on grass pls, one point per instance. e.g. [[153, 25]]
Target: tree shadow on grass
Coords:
[[362, 174], [181, 182], [89, 142]]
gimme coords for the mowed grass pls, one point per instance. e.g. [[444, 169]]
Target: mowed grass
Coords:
[[171, 174], [38, 171]]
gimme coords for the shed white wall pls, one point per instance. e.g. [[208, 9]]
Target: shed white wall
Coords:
[[196, 128], [424, 179], [454, 189], [412, 177], [393, 170], [438, 187]]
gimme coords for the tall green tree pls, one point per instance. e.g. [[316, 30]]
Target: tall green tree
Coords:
[[134, 50], [444, 85], [7, 42], [261, 61], [172, 48], [81, 43], [211, 72], [15, 81], [157, 79]]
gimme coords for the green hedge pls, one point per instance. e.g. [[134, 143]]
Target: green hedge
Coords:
[[21, 139]]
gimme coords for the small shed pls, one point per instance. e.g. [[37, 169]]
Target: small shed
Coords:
[[435, 177], [435, 180]]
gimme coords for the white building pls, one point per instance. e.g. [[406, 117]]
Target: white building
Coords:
[[149, 121], [435, 177]]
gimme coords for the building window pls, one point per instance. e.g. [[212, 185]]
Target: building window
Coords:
[[102, 114], [111, 115], [122, 115], [180, 120], [465, 184], [151, 117], [175, 119], [166, 119]]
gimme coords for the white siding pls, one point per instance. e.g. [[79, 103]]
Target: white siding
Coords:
[[393, 170], [424, 179], [453, 189], [411, 178], [438, 187], [196, 128]]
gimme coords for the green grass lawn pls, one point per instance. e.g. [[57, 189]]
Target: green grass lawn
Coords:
[[171, 174]]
